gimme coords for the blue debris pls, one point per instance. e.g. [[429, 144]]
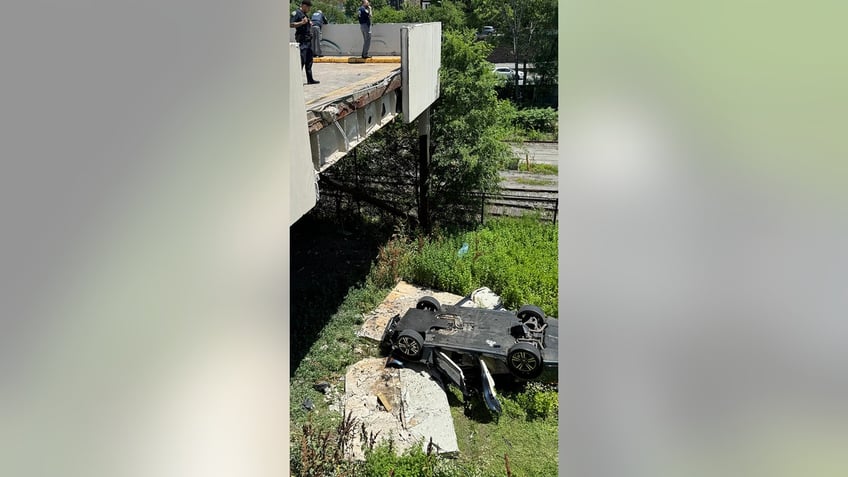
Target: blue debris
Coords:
[[463, 250], [308, 405]]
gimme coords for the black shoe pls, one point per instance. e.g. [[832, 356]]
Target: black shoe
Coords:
[[366, 56], [313, 82]]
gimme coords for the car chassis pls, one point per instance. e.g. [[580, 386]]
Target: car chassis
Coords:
[[457, 340]]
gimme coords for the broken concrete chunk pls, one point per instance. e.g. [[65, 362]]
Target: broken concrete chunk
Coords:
[[419, 409]]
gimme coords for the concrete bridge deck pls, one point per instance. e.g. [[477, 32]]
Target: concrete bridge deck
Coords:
[[348, 105], [340, 76], [341, 84]]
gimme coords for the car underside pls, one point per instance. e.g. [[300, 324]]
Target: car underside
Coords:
[[459, 341]]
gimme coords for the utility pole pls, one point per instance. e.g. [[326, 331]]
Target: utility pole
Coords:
[[424, 170]]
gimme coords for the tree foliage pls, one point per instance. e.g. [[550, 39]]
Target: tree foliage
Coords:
[[528, 28], [450, 14], [467, 124], [331, 10]]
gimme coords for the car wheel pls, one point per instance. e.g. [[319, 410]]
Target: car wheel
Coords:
[[428, 303], [524, 360], [410, 344], [532, 316]]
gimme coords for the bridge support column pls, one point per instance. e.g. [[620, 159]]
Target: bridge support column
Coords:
[[424, 170]]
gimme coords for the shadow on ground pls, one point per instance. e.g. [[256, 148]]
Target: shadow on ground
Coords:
[[327, 259]]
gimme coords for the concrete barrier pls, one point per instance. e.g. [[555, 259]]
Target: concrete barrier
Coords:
[[346, 39]]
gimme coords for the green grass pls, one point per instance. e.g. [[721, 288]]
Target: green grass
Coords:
[[515, 257], [538, 168], [533, 124], [530, 445], [336, 348], [533, 182], [520, 135], [523, 432], [521, 165]]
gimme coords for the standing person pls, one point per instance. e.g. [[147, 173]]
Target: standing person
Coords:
[[302, 34], [365, 26], [318, 22]]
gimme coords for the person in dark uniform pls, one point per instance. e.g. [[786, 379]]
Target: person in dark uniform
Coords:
[[318, 21], [364, 13], [303, 35]]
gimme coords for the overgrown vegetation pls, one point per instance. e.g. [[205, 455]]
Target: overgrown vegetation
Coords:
[[500, 255], [515, 257], [532, 124], [534, 182], [543, 120], [539, 168], [322, 453], [523, 165], [331, 10], [528, 28], [415, 462], [334, 350], [526, 436]]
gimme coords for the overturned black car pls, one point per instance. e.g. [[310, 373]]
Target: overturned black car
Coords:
[[456, 340]]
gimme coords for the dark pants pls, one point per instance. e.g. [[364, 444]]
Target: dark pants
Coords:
[[366, 38], [316, 40], [306, 60]]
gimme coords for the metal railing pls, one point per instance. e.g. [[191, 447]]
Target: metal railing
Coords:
[[507, 201]]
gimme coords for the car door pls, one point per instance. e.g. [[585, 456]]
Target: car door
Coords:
[[451, 370]]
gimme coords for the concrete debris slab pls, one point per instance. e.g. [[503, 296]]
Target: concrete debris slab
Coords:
[[415, 408], [402, 297]]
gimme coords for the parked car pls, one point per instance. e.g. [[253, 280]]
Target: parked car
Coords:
[[457, 339], [508, 73], [485, 32]]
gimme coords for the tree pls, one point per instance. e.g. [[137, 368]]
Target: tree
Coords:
[[468, 126], [449, 14], [331, 10], [529, 28]]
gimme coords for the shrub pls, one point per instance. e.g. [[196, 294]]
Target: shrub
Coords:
[[392, 260], [515, 257], [536, 119], [382, 461], [538, 401]]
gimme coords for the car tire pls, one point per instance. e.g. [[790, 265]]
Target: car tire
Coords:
[[409, 345], [532, 316], [428, 303], [524, 361]]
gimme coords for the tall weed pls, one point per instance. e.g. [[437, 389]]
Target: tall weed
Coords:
[[515, 257]]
